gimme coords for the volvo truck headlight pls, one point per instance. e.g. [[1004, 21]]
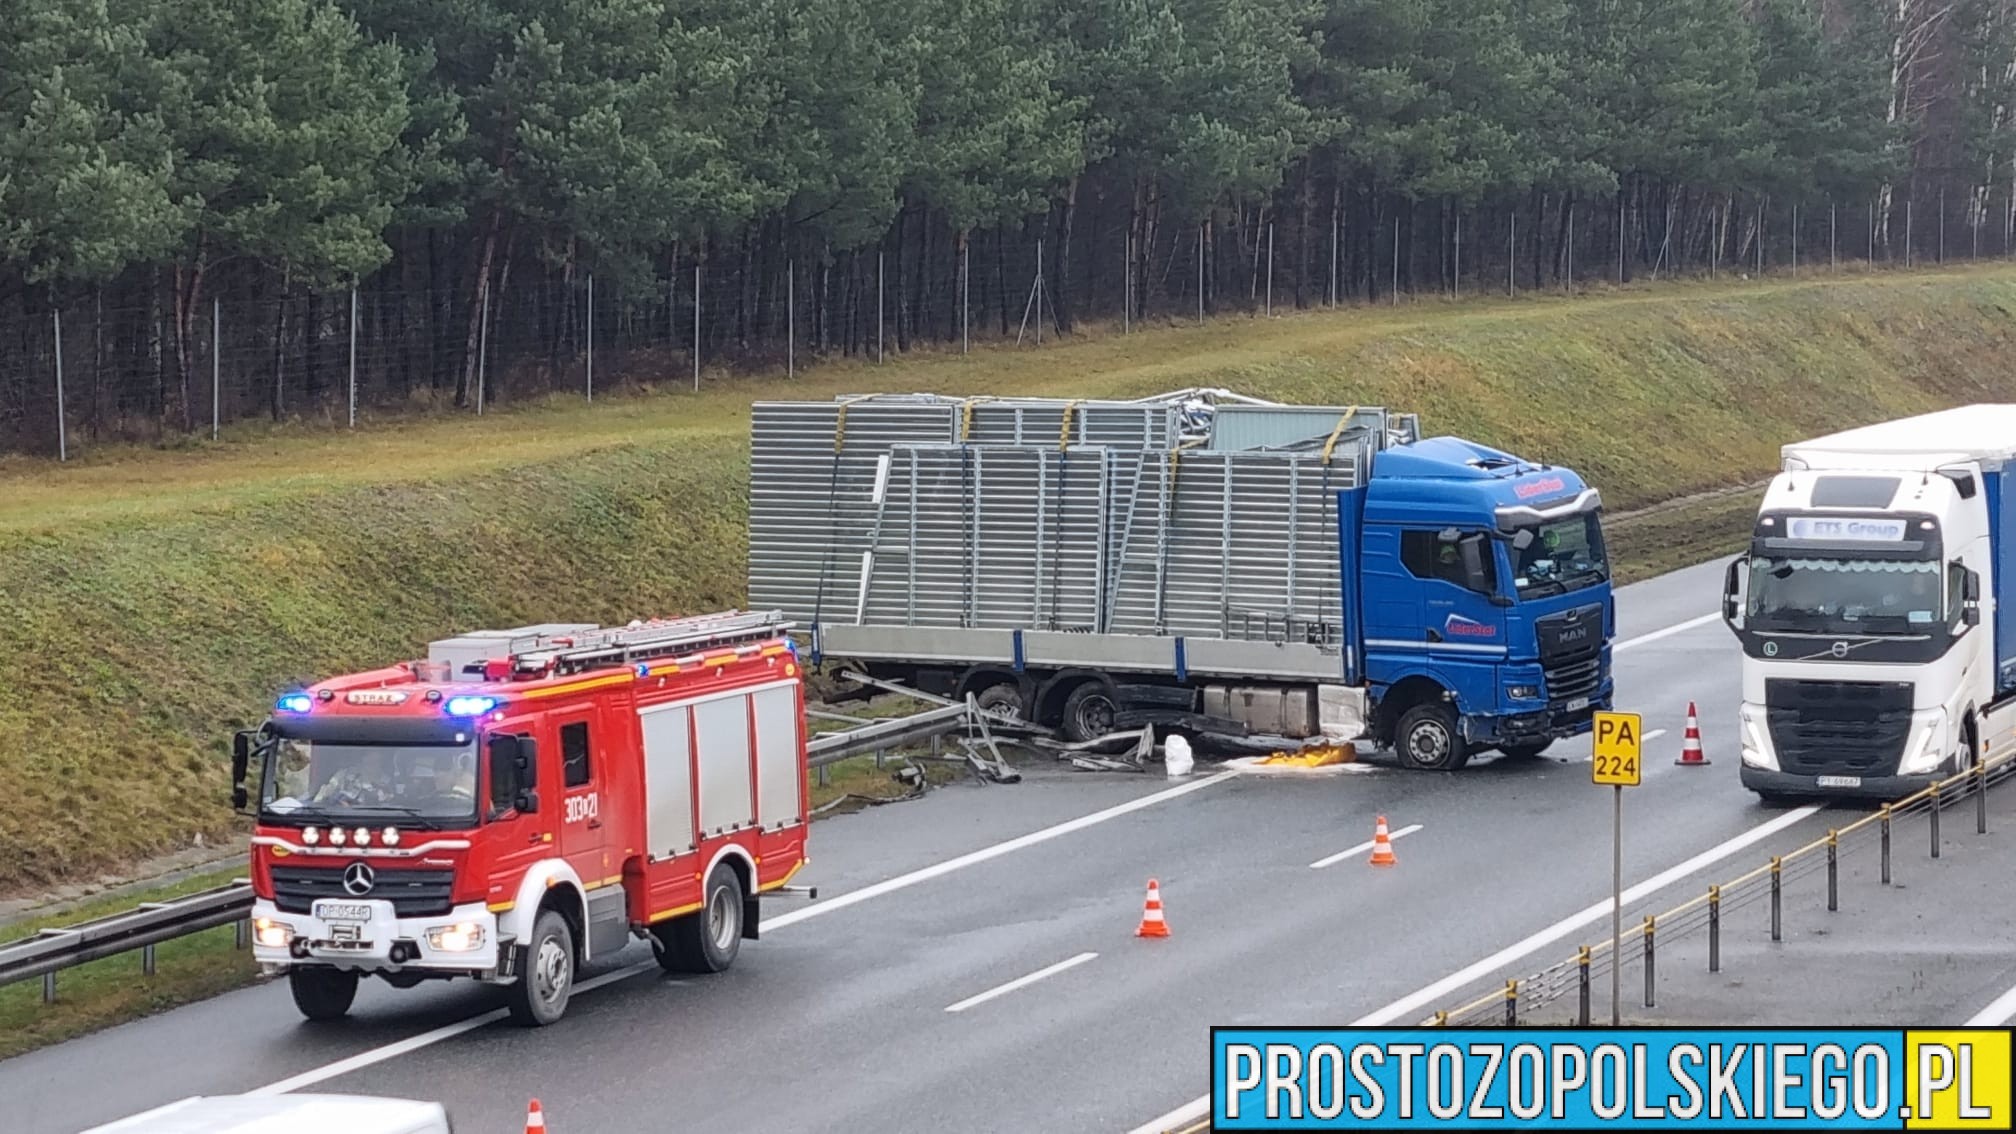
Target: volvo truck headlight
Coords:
[[272, 934], [455, 938], [1756, 750]]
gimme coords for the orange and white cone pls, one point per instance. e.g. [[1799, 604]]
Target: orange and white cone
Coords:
[[1152, 924], [1690, 749], [535, 1119], [1382, 845]]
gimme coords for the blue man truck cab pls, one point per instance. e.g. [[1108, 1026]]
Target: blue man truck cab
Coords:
[[1196, 561]]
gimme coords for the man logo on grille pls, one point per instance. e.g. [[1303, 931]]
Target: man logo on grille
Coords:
[[358, 879]]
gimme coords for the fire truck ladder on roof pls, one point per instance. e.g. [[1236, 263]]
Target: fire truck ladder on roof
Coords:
[[666, 638]]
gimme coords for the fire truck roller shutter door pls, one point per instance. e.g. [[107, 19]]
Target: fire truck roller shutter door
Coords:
[[668, 780], [721, 730], [779, 759]]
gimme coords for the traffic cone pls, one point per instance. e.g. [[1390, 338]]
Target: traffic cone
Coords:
[[535, 1119], [1382, 845], [1152, 924], [1690, 749]]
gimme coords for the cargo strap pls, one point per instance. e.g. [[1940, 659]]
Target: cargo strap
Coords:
[[1342, 422], [966, 417], [1064, 431]]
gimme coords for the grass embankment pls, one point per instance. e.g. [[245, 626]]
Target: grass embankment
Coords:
[[157, 600]]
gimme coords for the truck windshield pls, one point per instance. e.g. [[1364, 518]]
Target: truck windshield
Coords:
[[1564, 555], [1832, 595], [338, 782]]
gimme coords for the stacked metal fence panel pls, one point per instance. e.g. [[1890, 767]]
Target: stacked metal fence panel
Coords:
[[1034, 514]]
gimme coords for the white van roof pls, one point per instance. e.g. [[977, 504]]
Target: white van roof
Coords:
[[1985, 433], [286, 1114]]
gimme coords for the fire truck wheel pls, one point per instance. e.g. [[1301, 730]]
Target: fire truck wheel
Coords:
[[546, 972], [707, 941], [322, 994]]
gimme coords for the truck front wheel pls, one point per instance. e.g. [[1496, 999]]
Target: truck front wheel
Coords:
[[545, 972], [322, 994], [1428, 740], [708, 940]]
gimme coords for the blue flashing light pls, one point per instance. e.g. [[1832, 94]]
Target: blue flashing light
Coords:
[[643, 669], [470, 706], [295, 703]]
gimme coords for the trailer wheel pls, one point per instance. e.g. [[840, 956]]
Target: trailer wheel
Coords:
[[1427, 739], [322, 994], [545, 972], [1089, 712], [708, 940]]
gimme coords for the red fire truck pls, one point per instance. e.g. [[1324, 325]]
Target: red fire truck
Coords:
[[523, 801]]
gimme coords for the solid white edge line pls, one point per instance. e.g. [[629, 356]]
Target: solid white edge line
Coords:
[[1020, 982], [1996, 1014], [902, 881], [1361, 848], [1200, 1107]]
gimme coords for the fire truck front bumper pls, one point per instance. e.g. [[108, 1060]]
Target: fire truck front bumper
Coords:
[[369, 936]]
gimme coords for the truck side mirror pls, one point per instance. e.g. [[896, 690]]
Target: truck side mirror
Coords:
[[1970, 610], [241, 762], [1732, 603]]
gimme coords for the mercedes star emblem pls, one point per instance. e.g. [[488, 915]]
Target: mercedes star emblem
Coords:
[[357, 879]]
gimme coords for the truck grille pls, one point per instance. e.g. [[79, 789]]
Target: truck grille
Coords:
[[413, 893], [1571, 652], [1833, 727]]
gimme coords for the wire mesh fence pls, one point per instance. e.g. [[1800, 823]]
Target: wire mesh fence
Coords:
[[1721, 908]]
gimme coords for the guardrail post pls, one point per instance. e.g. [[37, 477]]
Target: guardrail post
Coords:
[[1511, 1003], [241, 931], [1442, 1019], [1582, 980], [147, 959], [1886, 844], [1714, 929], [1935, 820], [49, 988], [1777, 887], [1833, 871], [1980, 799], [1649, 979]]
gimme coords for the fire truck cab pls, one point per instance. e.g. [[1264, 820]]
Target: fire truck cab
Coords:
[[522, 802]]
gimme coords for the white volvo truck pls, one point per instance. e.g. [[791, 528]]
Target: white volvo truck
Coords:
[[1876, 655]]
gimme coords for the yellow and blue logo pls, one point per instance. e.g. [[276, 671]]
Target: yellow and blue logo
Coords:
[[1622, 1078]]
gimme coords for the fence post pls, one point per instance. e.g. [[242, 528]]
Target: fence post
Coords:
[[1511, 1003], [1714, 929], [216, 367], [1833, 871], [483, 351], [1582, 982], [1512, 258], [1885, 855], [1980, 798], [1127, 286], [1270, 269], [591, 336], [1200, 273], [790, 319], [696, 348], [1795, 242], [1934, 826], [353, 356], [1777, 902], [965, 297], [62, 433], [1457, 286], [879, 300], [1650, 980]]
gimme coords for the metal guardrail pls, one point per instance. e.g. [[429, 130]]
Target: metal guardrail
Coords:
[[1706, 911], [49, 951], [142, 927]]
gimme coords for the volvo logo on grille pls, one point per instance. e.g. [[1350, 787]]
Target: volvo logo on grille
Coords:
[[358, 879]]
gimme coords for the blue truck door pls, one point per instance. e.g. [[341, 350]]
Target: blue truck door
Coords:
[[1459, 574]]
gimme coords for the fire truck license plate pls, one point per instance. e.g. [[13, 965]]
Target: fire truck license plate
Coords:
[[343, 911]]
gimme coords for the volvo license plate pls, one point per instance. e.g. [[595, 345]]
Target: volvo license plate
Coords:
[[1839, 781], [1577, 705], [343, 911]]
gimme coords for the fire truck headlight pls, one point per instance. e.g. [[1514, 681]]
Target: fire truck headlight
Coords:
[[455, 938], [336, 836], [391, 836], [363, 836], [311, 835], [272, 934]]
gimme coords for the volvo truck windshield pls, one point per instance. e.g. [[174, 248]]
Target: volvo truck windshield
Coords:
[[1834, 595]]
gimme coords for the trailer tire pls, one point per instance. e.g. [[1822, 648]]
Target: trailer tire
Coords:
[[708, 940], [1090, 712], [322, 994], [545, 972], [1428, 740]]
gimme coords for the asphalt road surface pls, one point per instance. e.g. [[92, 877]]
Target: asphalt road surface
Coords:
[[971, 963]]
